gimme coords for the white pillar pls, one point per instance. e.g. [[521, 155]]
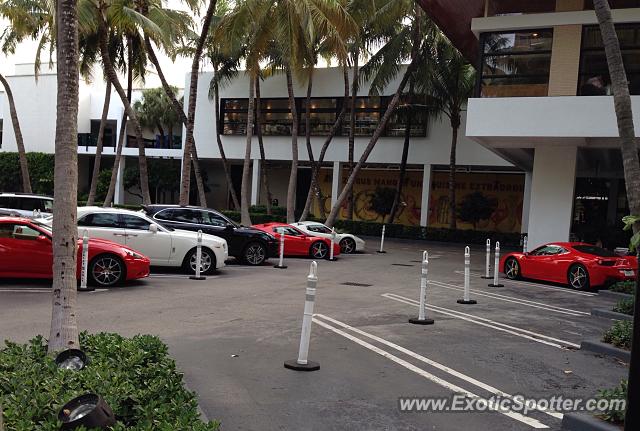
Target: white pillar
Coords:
[[118, 195], [526, 202], [336, 182], [426, 192], [255, 183], [552, 190]]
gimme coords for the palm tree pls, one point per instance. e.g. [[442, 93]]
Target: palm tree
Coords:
[[263, 161], [99, 144], [447, 86], [631, 164], [64, 326], [191, 110]]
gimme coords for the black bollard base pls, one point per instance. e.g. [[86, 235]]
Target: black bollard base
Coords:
[[484, 277], [495, 285], [193, 277], [471, 301], [417, 321], [280, 266], [86, 289], [332, 259], [381, 251], [294, 365]]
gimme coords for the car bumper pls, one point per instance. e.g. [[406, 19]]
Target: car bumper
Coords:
[[273, 249], [360, 243], [137, 268]]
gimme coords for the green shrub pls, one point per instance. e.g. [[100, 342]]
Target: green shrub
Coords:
[[135, 376], [628, 287], [40, 171], [262, 209], [617, 393], [624, 306], [619, 334]]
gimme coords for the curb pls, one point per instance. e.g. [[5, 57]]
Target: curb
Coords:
[[601, 348], [609, 314], [614, 295], [586, 422]]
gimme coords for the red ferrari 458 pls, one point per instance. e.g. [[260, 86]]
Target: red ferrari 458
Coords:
[[298, 243], [25, 252], [577, 264]]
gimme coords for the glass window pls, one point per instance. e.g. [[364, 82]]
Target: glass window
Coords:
[[398, 122], [322, 115], [6, 230], [99, 220], [287, 230], [183, 215], [318, 228], [511, 7], [548, 250], [213, 219], [595, 251], [24, 232], [594, 73], [9, 202], [516, 64], [368, 114], [134, 222], [234, 115]]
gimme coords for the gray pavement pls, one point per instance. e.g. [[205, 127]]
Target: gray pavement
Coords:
[[231, 333]]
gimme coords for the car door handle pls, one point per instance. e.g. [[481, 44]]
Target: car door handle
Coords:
[[131, 234], [119, 234]]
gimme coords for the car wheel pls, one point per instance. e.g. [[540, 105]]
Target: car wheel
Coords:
[[319, 250], [512, 269], [208, 262], [254, 254], [106, 270], [347, 246], [578, 277]]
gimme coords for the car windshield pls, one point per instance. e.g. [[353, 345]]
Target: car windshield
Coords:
[[228, 220], [44, 227], [593, 250]]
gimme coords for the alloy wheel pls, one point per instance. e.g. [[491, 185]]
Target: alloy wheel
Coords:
[[319, 250], [348, 246], [255, 254], [511, 269], [107, 271], [578, 277], [205, 262]]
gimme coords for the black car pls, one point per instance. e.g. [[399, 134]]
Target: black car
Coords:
[[249, 245]]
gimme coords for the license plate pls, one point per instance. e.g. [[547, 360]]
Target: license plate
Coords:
[[628, 273]]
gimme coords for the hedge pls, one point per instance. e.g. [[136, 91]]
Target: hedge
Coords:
[[624, 306], [628, 287], [135, 376], [619, 334], [618, 393], [40, 172]]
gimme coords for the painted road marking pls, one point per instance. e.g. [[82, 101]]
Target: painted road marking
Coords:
[[26, 289], [520, 301], [541, 286], [534, 423], [514, 330]]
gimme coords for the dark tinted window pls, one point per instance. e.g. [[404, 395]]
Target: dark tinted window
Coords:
[[9, 202], [318, 228], [593, 250], [99, 220], [134, 222], [29, 204], [548, 250], [213, 219], [287, 230]]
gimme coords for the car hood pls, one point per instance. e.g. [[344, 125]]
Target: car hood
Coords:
[[104, 244], [206, 238]]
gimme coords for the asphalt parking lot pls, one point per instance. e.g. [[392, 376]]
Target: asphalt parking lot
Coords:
[[232, 332]]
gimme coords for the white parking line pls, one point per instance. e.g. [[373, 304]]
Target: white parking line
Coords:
[[541, 286], [513, 330], [506, 298], [26, 290], [534, 423]]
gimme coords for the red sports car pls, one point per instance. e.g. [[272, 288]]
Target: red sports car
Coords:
[[577, 264], [298, 243], [25, 252]]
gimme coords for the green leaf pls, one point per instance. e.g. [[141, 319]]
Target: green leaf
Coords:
[[629, 221], [635, 241]]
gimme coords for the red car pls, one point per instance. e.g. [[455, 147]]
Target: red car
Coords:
[[298, 243], [577, 264], [25, 252]]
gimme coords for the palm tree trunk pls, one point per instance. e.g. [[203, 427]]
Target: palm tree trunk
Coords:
[[315, 189], [631, 164], [372, 143], [405, 154], [191, 112], [1, 419], [225, 162], [112, 76], [245, 218], [455, 125], [179, 110], [352, 128], [22, 156], [293, 177], [264, 167], [121, 136], [96, 163], [64, 326]]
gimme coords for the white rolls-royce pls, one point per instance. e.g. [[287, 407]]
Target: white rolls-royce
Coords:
[[164, 246], [348, 243]]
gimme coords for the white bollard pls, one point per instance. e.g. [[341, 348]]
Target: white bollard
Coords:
[[525, 244], [84, 269], [198, 275], [422, 313], [496, 268], [467, 278], [281, 264], [303, 363], [384, 228], [487, 270], [333, 242]]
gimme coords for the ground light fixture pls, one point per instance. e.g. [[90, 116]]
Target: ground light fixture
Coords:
[[88, 410], [71, 359]]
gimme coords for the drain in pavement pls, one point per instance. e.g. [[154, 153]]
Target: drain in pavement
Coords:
[[353, 283]]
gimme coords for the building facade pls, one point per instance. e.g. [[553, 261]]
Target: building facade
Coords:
[[543, 102]]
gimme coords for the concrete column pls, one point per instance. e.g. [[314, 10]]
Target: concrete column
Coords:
[[336, 182], [118, 195], [526, 202], [426, 193], [255, 183], [552, 194]]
